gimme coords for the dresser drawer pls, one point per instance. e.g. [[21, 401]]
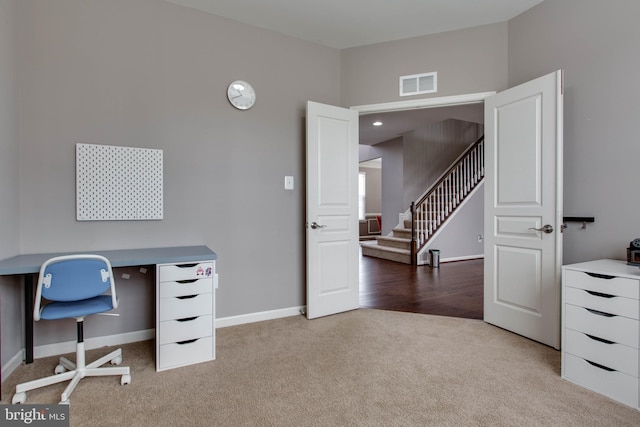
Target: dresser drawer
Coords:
[[185, 287], [181, 354], [614, 384], [616, 356], [618, 286], [608, 303], [186, 329], [176, 272], [618, 329], [183, 307]]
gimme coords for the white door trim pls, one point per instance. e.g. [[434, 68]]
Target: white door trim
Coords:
[[442, 101]]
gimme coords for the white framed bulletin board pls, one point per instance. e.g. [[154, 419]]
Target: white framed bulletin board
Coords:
[[118, 183]]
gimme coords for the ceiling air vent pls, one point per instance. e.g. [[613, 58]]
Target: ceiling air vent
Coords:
[[417, 84]]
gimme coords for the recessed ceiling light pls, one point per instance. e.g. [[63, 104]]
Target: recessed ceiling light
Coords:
[[377, 123]]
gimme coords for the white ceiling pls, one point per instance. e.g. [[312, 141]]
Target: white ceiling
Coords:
[[348, 23], [396, 123]]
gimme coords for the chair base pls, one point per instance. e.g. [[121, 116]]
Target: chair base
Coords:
[[68, 370]]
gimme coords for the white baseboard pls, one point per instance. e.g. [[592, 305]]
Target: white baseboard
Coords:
[[12, 364], [462, 258], [452, 259], [259, 317], [91, 343], [147, 334]]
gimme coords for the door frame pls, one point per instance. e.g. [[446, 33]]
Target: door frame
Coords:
[[442, 101]]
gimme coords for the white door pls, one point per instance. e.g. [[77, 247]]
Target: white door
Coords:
[[523, 209], [332, 210]]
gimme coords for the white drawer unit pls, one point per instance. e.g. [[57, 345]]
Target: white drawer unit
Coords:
[[185, 314], [601, 328]]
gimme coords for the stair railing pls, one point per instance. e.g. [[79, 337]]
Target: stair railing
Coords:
[[445, 195]]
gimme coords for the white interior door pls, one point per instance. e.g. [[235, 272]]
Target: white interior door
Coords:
[[523, 209], [332, 210]]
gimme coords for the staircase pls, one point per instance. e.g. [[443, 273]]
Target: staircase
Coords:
[[432, 211], [395, 247]]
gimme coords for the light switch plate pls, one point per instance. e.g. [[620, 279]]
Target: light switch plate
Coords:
[[288, 183]]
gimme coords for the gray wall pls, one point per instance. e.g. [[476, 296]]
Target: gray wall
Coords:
[[459, 239], [431, 149], [596, 43], [147, 73], [373, 183], [392, 166], [467, 61], [152, 74], [10, 295]]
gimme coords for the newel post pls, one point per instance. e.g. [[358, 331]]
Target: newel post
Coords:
[[413, 233]]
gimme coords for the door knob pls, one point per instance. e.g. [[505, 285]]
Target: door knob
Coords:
[[315, 225], [545, 228]]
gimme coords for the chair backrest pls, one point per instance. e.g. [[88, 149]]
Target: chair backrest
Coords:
[[74, 278]]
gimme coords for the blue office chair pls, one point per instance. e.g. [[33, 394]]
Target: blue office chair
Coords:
[[74, 286]]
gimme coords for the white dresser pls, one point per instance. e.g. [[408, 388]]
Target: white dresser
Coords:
[[600, 328], [185, 314]]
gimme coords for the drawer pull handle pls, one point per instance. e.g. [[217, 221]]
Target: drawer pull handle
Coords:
[[600, 294], [196, 339], [599, 313], [187, 319], [602, 340], [597, 365], [186, 265], [187, 296], [186, 282], [600, 276]]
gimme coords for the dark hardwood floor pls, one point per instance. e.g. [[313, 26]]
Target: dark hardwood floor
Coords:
[[454, 289]]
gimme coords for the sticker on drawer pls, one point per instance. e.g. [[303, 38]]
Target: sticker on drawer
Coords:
[[185, 271]]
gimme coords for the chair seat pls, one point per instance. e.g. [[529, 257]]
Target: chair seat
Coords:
[[71, 309]]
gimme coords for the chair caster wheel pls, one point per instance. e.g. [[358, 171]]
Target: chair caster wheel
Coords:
[[19, 398], [64, 402], [60, 369], [116, 360], [125, 379]]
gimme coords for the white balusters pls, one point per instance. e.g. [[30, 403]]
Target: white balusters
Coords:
[[444, 198]]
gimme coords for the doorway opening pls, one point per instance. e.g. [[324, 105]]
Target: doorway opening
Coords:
[[454, 289]]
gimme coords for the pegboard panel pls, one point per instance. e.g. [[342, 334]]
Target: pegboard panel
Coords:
[[118, 183]]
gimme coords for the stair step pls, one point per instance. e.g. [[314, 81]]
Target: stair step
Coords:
[[404, 233], [371, 248], [394, 242]]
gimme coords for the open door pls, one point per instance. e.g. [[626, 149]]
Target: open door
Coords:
[[523, 209], [332, 210]]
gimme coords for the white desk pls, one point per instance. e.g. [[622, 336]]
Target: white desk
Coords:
[[28, 265]]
